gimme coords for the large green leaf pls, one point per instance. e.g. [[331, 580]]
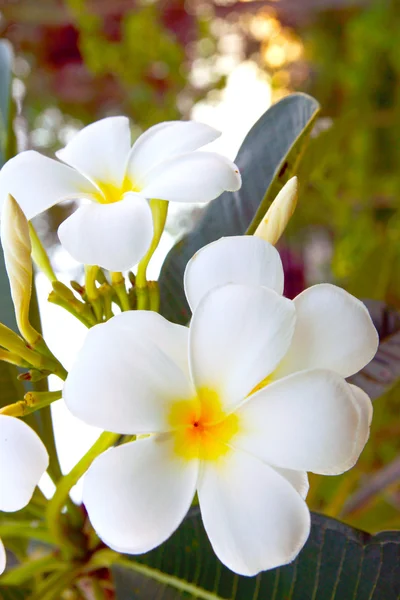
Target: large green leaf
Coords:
[[268, 157], [337, 563], [11, 389]]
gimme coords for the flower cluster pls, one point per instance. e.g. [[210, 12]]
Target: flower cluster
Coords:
[[238, 406]]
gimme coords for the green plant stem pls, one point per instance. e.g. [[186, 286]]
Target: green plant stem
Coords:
[[27, 570], [32, 401], [159, 209], [13, 359], [52, 587], [61, 495], [92, 292], [154, 296], [118, 283], [54, 299], [40, 256], [25, 530]]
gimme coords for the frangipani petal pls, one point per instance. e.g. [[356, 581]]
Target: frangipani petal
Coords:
[[242, 259], [100, 150], [113, 236], [124, 380], [137, 494], [238, 336], [192, 177], [23, 460], [253, 516], [37, 182], [333, 331], [298, 479], [365, 406], [170, 338], [308, 421], [165, 140], [3, 558]]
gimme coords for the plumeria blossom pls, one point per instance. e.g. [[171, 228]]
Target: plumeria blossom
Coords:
[[213, 417], [114, 229], [23, 460]]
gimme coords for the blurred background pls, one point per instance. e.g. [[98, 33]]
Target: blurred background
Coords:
[[224, 62]]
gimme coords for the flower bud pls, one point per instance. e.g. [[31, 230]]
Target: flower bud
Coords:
[[278, 215], [16, 244]]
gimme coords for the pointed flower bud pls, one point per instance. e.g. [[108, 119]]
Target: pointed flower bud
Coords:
[[278, 215], [16, 244]]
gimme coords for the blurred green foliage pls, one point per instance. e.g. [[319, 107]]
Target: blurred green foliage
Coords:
[[351, 183]]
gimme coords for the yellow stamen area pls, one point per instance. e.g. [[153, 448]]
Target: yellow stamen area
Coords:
[[202, 429], [111, 193], [266, 381]]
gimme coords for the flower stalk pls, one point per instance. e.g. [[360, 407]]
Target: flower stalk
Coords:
[[32, 401], [61, 495], [118, 283], [159, 210], [39, 255], [92, 292]]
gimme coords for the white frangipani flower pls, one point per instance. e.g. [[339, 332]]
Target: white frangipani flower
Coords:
[[115, 229], [23, 460], [217, 424], [333, 330]]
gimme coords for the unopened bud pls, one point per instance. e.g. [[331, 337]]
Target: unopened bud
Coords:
[[17, 255], [278, 215]]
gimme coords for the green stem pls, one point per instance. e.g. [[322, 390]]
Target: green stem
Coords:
[[154, 296], [13, 359], [61, 496], [54, 299], [40, 256], [29, 569], [92, 291], [118, 283], [159, 209], [32, 401]]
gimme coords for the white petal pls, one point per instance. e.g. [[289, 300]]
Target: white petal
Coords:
[[366, 410], [334, 331], [3, 558], [100, 150], [298, 479], [124, 379], [23, 460], [172, 339], [38, 182], [254, 518], [165, 140], [137, 494], [113, 236], [193, 177], [308, 421], [241, 259], [238, 336]]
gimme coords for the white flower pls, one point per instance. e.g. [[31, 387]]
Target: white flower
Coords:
[[115, 229], [219, 424], [23, 460]]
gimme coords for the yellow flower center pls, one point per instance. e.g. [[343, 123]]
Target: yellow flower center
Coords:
[[111, 193], [202, 429]]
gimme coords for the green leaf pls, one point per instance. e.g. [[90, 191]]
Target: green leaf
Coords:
[[268, 157], [11, 389], [337, 563]]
